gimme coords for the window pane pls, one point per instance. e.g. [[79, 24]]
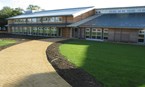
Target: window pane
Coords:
[[34, 20]]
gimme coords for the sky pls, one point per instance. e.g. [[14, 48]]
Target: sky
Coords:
[[59, 4]]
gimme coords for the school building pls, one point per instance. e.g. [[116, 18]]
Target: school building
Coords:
[[125, 24]]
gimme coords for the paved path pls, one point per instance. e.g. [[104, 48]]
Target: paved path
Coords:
[[26, 65]]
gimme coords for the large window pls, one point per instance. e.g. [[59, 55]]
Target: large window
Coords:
[[99, 33], [141, 36], [34, 30], [16, 21], [21, 30], [55, 19], [29, 20], [53, 31], [105, 34], [96, 33], [16, 29], [37, 31], [39, 20], [34, 20], [25, 30], [58, 19], [87, 32], [13, 29], [20, 21], [40, 30], [45, 19], [51, 19]]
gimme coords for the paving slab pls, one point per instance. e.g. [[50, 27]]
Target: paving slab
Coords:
[[26, 65]]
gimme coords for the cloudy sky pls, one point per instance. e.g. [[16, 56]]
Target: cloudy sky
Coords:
[[57, 4]]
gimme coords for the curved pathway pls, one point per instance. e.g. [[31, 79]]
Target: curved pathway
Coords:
[[26, 65]]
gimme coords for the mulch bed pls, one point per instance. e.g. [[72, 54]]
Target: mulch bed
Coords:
[[74, 76]]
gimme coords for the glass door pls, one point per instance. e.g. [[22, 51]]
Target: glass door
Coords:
[[141, 36], [94, 33], [13, 30], [40, 31], [87, 32], [25, 30], [34, 30], [99, 33], [28, 30], [105, 34], [17, 30], [53, 32]]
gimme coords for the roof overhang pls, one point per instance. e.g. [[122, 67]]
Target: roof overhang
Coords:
[[46, 25]]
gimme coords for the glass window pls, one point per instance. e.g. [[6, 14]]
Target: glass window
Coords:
[[13, 29], [94, 30], [141, 36], [105, 35], [25, 30], [54, 31], [29, 20], [29, 30], [52, 19], [58, 19], [141, 31], [34, 20], [16, 21], [40, 30], [45, 19], [20, 29], [38, 20], [87, 32], [16, 30], [23, 20], [140, 40], [34, 30]]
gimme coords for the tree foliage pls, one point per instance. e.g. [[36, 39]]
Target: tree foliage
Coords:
[[33, 7], [7, 12]]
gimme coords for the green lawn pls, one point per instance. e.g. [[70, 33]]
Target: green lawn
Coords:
[[6, 42], [112, 64]]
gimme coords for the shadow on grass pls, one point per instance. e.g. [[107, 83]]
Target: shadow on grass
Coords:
[[112, 64], [76, 77]]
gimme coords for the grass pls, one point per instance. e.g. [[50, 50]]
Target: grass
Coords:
[[4, 42], [112, 64]]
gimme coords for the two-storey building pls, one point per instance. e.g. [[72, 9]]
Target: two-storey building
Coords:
[[125, 24], [51, 23]]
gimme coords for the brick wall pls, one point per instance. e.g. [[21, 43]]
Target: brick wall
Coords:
[[66, 32]]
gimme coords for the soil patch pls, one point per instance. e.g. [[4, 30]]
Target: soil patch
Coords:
[[74, 76]]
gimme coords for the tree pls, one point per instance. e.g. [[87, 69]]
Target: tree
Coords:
[[33, 7], [17, 11], [7, 12]]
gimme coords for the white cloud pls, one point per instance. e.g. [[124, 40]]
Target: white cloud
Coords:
[[56, 4]]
